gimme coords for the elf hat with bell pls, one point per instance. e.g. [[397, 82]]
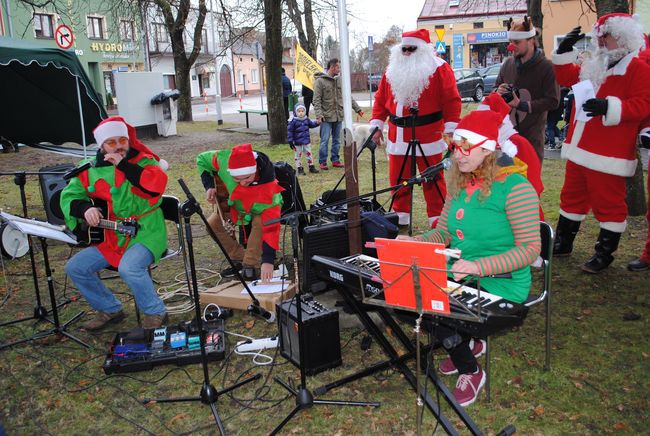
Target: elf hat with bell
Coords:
[[480, 128], [242, 160]]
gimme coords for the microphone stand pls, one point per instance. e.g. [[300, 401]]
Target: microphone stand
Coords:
[[40, 312], [209, 394], [303, 396], [411, 150], [371, 145], [254, 308]]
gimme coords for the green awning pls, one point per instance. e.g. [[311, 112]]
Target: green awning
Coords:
[[39, 101]]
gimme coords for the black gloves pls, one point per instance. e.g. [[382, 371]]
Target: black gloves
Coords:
[[645, 141], [292, 145], [595, 106], [570, 40]]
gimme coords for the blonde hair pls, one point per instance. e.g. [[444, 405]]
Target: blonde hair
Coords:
[[487, 172]]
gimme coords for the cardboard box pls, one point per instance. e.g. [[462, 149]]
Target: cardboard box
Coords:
[[229, 295]]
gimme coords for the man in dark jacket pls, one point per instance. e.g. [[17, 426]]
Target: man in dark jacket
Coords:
[[527, 82], [286, 91]]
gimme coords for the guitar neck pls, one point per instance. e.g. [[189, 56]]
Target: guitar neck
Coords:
[[107, 224]]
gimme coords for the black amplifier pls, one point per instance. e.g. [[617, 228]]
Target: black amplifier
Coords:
[[321, 336]]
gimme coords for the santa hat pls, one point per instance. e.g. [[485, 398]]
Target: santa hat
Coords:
[[242, 160], [625, 28], [496, 103], [416, 37], [479, 127], [109, 128]]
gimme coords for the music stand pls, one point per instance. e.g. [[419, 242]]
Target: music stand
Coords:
[[209, 394], [40, 312], [45, 231]]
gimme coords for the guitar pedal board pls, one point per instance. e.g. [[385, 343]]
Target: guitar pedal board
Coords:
[[142, 349]]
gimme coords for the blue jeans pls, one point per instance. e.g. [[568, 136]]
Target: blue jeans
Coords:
[[327, 129], [83, 270]]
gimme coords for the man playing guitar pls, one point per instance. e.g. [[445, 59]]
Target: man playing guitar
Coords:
[[128, 177]]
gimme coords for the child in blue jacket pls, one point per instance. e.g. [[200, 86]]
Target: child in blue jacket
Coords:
[[299, 139]]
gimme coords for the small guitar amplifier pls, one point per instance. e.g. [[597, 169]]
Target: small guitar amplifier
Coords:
[[321, 338]]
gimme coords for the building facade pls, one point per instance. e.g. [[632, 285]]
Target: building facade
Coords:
[[475, 33], [108, 41]]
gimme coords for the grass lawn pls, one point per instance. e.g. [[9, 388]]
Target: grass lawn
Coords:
[[598, 382]]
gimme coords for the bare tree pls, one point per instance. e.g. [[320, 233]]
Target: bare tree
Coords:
[[183, 62], [273, 25]]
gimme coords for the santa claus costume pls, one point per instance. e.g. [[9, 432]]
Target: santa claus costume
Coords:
[[416, 80], [601, 144]]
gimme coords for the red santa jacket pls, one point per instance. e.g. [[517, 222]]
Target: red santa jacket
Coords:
[[608, 143], [441, 95]]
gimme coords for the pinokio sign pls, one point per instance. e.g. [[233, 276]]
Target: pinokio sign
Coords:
[[486, 37]]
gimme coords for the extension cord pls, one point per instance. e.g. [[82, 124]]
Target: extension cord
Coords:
[[257, 344]]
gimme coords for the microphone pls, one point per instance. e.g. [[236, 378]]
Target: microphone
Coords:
[[429, 174], [78, 170], [260, 312]]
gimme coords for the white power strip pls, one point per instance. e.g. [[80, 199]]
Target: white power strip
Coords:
[[257, 344]]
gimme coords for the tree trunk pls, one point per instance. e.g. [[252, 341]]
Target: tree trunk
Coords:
[[534, 8], [273, 25], [184, 102], [608, 6], [636, 199]]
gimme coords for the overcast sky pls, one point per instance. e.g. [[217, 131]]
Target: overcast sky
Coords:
[[375, 17]]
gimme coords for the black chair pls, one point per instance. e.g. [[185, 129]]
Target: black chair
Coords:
[[544, 296]]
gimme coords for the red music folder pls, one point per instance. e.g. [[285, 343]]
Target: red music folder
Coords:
[[396, 257]]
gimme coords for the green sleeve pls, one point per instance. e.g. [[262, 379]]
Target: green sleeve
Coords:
[[204, 162], [74, 191]]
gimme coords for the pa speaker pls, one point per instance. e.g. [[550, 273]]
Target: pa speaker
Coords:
[[51, 187]]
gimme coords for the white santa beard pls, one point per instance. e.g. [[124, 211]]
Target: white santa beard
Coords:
[[595, 67], [409, 75]]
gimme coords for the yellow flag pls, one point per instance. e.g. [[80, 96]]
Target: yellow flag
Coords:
[[305, 68]]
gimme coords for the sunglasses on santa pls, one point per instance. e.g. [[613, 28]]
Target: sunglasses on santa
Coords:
[[409, 49]]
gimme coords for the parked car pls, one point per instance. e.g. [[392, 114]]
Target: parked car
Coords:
[[489, 75], [469, 83]]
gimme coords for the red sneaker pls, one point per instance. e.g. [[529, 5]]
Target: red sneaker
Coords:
[[447, 367], [324, 167], [468, 387], [337, 164]]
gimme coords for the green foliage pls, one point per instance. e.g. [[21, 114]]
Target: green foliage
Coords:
[[598, 382]]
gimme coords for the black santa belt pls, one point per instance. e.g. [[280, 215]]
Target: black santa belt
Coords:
[[417, 121]]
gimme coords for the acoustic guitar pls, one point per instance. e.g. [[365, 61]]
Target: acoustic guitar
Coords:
[[90, 235]]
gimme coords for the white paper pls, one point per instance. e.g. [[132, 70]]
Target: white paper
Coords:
[[582, 91], [37, 228], [257, 287]]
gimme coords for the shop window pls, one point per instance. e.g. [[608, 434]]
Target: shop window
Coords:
[[44, 25], [169, 81], [477, 25], [127, 30], [440, 26], [95, 27]]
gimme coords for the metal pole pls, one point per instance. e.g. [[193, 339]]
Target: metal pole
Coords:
[[345, 65], [81, 118], [259, 75], [370, 49], [217, 74], [9, 23]]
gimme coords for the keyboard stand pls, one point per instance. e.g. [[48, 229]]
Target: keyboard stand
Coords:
[[394, 359]]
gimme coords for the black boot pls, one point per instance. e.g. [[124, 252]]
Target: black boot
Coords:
[[565, 233], [606, 245]]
